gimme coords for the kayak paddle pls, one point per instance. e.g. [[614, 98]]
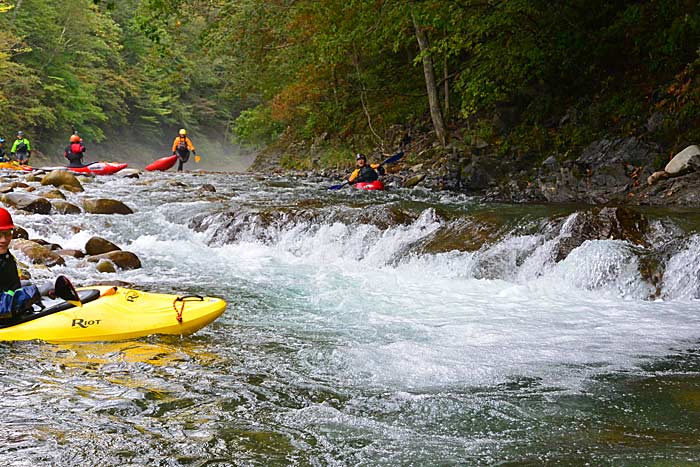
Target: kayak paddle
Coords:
[[390, 160], [65, 291], [197, 158]]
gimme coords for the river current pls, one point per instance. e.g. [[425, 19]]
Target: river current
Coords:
[[360, 330]]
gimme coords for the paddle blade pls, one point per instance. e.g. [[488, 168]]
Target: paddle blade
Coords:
[[197, 158], [393, 158], [337, 187], [65, 291]]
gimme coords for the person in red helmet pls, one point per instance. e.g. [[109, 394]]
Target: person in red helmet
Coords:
[[15, 300], [9, 277], [75, 151]]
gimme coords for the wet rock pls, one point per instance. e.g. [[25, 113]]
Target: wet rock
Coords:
[[99, 245], [12, 186], [122, 259], [27, 202], [54, 194], [208, 188], [413, 181], [685, 161], [62, 178], [129, 173], [64, 207], [105, 266], [617, 151], [551, 163], [19, 232], [603, 224], [70, 253], [37, 253], [72, 189], [106, 206], [656, 176]]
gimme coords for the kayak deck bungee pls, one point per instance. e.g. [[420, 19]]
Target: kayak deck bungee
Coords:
[[115, 313]]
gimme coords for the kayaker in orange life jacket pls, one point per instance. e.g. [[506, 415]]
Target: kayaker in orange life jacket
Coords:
[[182, 146], [74, 151], [365, 173]]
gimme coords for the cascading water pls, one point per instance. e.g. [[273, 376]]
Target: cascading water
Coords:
[[397, 328]]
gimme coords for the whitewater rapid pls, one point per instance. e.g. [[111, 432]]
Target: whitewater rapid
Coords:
[[342, 331]]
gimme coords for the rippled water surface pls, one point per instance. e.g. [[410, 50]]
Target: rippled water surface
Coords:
[[362, 331]]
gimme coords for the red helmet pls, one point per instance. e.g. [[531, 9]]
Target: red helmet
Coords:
[[75, 139], [6, 220]]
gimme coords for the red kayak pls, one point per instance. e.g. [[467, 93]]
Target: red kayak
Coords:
[[375, 185], [164, 163], [97, 168]]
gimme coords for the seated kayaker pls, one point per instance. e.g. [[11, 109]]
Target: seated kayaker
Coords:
[[14, 299], [365, 173], [74, 151], [17, 299]]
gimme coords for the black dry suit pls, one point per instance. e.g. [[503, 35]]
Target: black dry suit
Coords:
[[74, 153], [366, 173], [14, 298]]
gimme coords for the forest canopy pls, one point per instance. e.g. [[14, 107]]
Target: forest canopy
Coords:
[[350, 71]]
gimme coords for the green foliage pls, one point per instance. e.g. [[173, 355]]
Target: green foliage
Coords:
[[348, 70], [255, 127]]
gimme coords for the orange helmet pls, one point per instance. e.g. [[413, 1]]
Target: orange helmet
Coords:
[[75, 139], [6, 220]]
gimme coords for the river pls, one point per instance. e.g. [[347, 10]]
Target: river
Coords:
[[385, 328]]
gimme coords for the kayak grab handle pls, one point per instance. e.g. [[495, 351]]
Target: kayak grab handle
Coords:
[[182, 301]]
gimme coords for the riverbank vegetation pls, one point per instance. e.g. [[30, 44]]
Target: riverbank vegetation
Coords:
[[314, 81]]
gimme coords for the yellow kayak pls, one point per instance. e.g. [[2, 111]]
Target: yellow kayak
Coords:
[[115, 313], [16, 166]]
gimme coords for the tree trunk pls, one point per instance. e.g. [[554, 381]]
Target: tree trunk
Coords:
[[430, 84], [446, 115]]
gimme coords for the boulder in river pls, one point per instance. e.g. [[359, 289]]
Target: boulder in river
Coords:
[[38, 254], [64, 207], [685, 161], [27, 202], [122, 259], [106, 206], [99, 245], [62, 178]]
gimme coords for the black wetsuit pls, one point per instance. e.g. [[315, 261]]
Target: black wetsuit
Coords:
[[367, 174], [9, 278], [74, 153]]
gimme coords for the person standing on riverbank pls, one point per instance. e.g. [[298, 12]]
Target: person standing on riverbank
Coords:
[[182, 145], [365, 173], [21, 149]]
